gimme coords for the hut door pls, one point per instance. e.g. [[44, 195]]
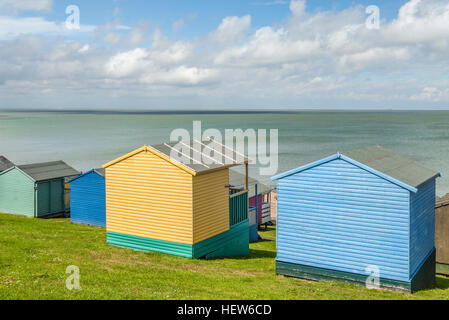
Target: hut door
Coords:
[[43, 199]]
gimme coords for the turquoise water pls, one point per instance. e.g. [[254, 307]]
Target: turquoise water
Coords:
[[87, 140]]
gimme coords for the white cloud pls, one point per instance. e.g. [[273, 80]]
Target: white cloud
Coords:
[[320, 59], [298, 7], [373, 58], [178, 24], [112, 37], [137, 35], [430, 94], [183, 75], [419, 21], [22, 5], [127, 63], [12, 27], [231, 29]]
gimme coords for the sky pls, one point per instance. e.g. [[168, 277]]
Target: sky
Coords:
[[230, 54]]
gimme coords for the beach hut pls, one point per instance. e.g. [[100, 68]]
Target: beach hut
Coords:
[[5, 164], [35, 190], [88, 198], [361, 216], [259, 207], [442, 235], [156, 202]]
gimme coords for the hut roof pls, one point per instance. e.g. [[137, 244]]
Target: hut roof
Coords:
[[193, 155], [100, 171], [393, 165], [377, 160], [238, 179], [444, 201], [49, 170], [5, 164]]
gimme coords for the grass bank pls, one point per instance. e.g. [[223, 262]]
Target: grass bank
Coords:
[[34, 255]]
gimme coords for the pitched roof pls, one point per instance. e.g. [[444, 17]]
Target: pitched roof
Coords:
[[444, 201], [99, 171], [387, 164], [49, 170], [393, 165], [5, 164], [237, 179], [193, 155]]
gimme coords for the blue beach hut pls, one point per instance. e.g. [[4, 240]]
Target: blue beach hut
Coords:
[[88, 198], [361, 215]]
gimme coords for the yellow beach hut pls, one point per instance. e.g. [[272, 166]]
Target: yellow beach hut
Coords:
[[155, 202]]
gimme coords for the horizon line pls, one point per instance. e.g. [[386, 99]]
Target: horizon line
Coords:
[[212, 110]]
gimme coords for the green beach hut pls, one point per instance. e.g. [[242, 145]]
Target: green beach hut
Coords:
[[35, 190]]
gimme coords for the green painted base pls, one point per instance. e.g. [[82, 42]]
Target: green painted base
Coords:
[[148, 245], [234, 242], [443, 269], [423, 279]]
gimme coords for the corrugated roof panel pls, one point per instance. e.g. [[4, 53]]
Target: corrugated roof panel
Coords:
[[202, 156], [49, 170]]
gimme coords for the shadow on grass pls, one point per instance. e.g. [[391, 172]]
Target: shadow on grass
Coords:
[[253, 254], [257, 254], [442, 283]]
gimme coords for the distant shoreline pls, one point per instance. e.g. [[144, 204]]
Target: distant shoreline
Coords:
[[217, 112]]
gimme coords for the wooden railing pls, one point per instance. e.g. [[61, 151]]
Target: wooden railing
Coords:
[[238, 207]]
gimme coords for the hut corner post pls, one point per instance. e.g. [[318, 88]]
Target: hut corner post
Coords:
[[247, 183], [247, 176]]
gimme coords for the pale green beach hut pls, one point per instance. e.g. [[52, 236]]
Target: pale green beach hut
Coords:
[[35, 190]]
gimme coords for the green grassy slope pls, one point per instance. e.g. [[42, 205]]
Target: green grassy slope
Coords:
[[34, 255]]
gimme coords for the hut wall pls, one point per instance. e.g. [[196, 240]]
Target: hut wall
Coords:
[[422, 225], [341, 217], [273, 200], [148, 197], [88, 200], [16, 193], [442, 233], [210, 205], [252, 203]]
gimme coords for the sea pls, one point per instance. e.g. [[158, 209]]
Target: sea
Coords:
[[89, 139]]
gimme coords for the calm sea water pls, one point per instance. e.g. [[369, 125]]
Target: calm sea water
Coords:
[[88, 140]]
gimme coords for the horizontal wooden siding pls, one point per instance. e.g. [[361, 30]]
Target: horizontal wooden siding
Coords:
[[338, 216], [422, 231], [210, 204], [148, 197], [88, 200]]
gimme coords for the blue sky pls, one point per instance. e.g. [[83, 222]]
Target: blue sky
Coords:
[[201, 16], [255, 54]]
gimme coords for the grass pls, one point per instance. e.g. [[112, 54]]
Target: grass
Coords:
[[34, 255]]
